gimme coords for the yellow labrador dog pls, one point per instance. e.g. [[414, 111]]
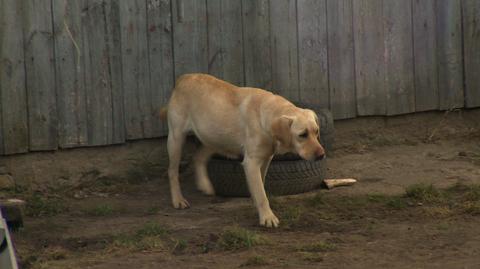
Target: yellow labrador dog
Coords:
[[236, 121]]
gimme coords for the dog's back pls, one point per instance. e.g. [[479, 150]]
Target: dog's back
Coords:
[[210, 108]]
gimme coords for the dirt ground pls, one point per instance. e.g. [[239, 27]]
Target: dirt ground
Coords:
[[416, 205]]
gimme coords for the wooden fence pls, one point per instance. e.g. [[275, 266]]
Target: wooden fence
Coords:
[[95, 72]]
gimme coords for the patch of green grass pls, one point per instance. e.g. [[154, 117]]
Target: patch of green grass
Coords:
[[466, 192], [101, 210], [255, 261], [317, 247], [234, 238], [179, 246], [424, 193], [151, 236], [38, 206], [151, 229], [291, 215]]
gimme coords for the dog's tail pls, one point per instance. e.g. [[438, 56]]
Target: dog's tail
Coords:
[[163, 113]]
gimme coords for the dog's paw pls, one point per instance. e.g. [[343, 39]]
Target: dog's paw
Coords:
[[207, 190], [269, 220], [180, 203]]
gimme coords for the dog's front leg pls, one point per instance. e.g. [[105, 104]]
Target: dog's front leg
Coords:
[[253, 172], [264, 168]]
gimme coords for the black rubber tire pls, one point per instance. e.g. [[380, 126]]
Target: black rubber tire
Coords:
[[283, 177]]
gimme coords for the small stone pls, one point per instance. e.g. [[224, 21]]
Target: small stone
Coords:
[[79, 195], [6, 182]]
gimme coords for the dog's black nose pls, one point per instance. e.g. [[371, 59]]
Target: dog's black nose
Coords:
[[320, 157]]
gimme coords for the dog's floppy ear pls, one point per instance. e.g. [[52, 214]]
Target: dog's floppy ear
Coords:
[[281, 130], [314, 116]]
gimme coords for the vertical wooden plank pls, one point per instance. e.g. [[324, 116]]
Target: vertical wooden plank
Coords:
[[2, 149], [256, 42], [69, 80], [112, 17], [449, 43], [97, 74], [12, 78], [369, 60], [225, 50], [40, 74], [190, 36], [161, 58], [425, 55], [399, 79], [135, 69], [471, 35], [312, 52], [341, 67], [283, 27]]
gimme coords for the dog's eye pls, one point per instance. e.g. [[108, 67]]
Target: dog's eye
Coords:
[[303, 135]]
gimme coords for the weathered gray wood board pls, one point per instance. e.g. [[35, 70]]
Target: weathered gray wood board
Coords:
[[341, 68], [135, 67], [2, 150], [399, 78], [12, 78], [312, 52], [284, 47], [449, 44], [69, 73], [425, 55], [256, 43], [97, 74], [113, 39], [225, 39], [161, 59], [369, 60], [40, 75], [190, 36], [471, 35]]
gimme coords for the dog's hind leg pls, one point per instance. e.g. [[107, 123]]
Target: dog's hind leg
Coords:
[[200, 160], [176, 138]]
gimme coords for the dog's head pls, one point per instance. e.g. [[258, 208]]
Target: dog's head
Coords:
[[299, 133]]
